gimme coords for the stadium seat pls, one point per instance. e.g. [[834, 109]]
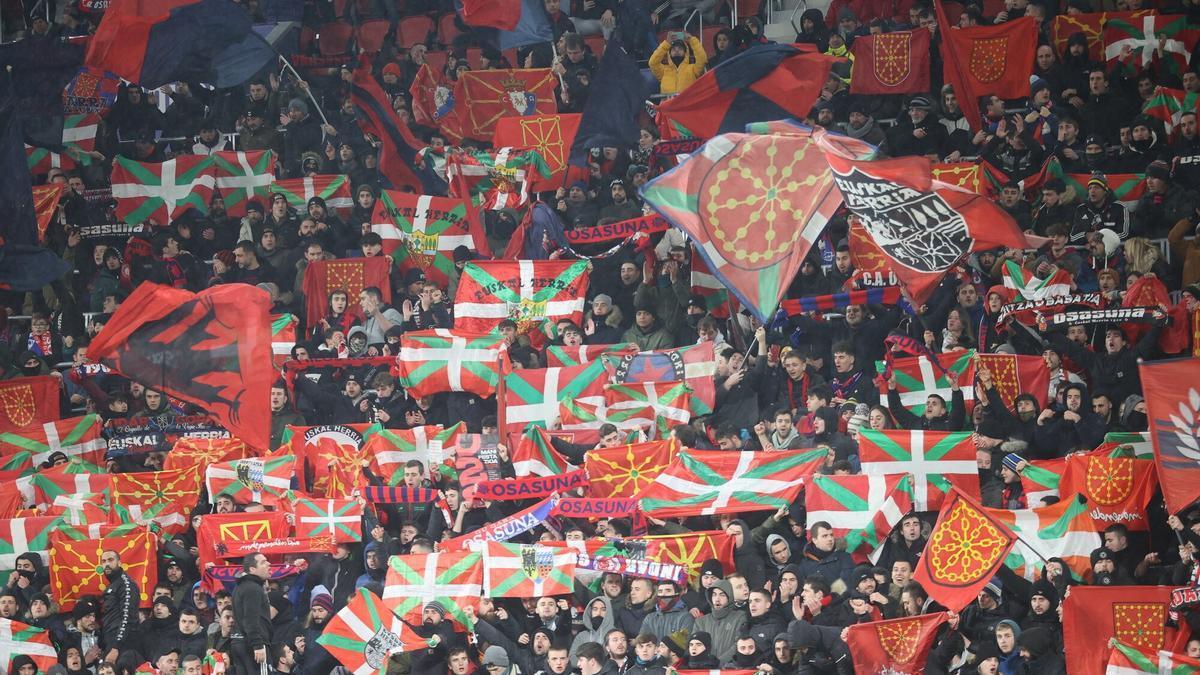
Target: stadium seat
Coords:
[[747, 8], [307, 35], [339, 8], [334, 38], [596, 43], [413, 29], [511, 55], [447, 31], [371, 34], [475, 57], [437, 60], [709, 33]]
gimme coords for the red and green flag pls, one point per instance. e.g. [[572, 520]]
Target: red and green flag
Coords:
[[561, 355], [334, 189], [18, 638], [1061, 530], [452, 578], [528, 570], [163, 191], [41, 160], [531, 397], [708, 286], [1165, 41], [74, 477], [74, 437], [243, 176], [79, 133], [862, 509], [529, 292], [917, 377], [422, 231], [1127, 659], [709, 482], [283, 337], [390, 449], [1168, 106], [937, 460], [443, 360], [365, 634], [25, 535], [1040, 479], [666, 403], [252, 480], [339, 518], [1027, 286], [534, 454], [496, 179]]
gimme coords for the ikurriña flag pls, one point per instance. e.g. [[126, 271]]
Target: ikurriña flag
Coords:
[[162, 191], [364, 634], [709, 482], [422, 232], [211, 349], [527, 570]]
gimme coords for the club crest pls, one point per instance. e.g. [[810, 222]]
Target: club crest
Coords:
[[443, 102], [537, 562], [379, 646], [250, 473], [523, 102]]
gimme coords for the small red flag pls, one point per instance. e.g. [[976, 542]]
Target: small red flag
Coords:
[[25, 401], [894, 645], [964, 551], [987, 61], [891, 63]]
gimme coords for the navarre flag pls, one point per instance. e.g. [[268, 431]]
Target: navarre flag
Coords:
[[25, 535], [74, 437], [1091, 25], [75, 569], [165, 497], [893, 645], [765, 82], [218, 531], [980, 178], [364, 634], [529, 292], [862, 509], [18, 638], [349, 274], [937, 460], [487, 95], [421, 232], [397, 146], [891, 63], [753, 204], [334, 189], [561, 355], [1013, 375], [442, 360], [252, 480], [964, 551], [696, 365], [391, 449], [191, 451], [708, 482], [242, 176], [987, 60], [626, 471], [26, 401], [452, 578], [1118, 489], [495, 180], [533, 396], [1092, 615], [927, 227], [1129, 660], [1173, 406], [691, 550], [1151, 38], [527, 570], [340, 519], [211, 349], [164, 191], [1060, 530], [551, 136], [434, 104], [499, 14]]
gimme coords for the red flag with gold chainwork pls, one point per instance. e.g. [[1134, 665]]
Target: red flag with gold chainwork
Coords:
[[891, 63], [165, 497], [1135, 615], [75, 565], [899, 644], [351, 275], [483, 97], [552, 136], [964, 551], [1118, 489], [201, 452], [693, 549], [987, 60], [45, 202], [25, 401], [1092, 27]]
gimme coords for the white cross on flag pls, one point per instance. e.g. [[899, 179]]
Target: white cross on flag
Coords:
[[708, 482], [453, 578]]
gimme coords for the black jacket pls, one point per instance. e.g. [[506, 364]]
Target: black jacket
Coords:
[[119, 620], [251, 612]]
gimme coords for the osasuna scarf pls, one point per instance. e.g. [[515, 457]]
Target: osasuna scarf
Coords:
[[532, 487], [506, 528], [1103, 316], [398, 495]]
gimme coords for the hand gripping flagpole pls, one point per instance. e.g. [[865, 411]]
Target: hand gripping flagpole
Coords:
[[307, 89]]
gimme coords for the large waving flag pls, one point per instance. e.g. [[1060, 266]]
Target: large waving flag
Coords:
[[20, 638], [667, 404], [364, 634], [532, 396], [74, 437], [894, 645], [337, 518], [252, 480], [534, 453], [708, 482], [753, 204], [398, 148], [452, 578], [965, 549], [527, 291], [1164, 39], [488, 95], [422, 231], [987, 60], [1029, 287], [1061, 530], [25, 535], [937, 460], [862, 509], [162, 191], [1173, 406], [164, 497], [442, 360], [75, 569], [891, 63], [527, 570], [390, 449], [333, 188]]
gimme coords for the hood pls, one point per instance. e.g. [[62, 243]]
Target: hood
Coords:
[[727, 588], [607, 622], [817, 18], [747, 544]]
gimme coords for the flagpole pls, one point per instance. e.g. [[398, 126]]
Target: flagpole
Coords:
[[307, 89]]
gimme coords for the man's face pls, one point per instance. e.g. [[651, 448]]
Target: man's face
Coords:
[[842, 260], [1074, 399], [780, 552], [901, 572], [109, 562], [412, 476], [174, 574], [843, 362], [617, 645], [1187, 126], [1039, 604], [934, 407], [546, 608], [645, 650], [854, 315], [741, 589], [911, 529], [460, 663], [759, 604], [1102, 406], [225, 504], [1114, 341], [1114, 541], [188, 624], [168, 664], [628, 272], [618, 194], [640, 591], [823, 539], [262, 567], [1005, 639], [258, 92], [8, 607], [1097, 84]]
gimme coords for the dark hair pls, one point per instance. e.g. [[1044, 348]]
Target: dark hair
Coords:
[[843, 347], [591, 650], [817, 583]]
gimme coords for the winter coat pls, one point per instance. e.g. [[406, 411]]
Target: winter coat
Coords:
[[251, 611], [661, 624], [119, 616], [833, 565], [723, 625], [672, 78], [598, 632]]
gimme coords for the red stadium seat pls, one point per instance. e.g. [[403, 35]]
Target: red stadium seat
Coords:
[[437, 60], [370, 35], [307, 35], [747, 8], [596, 43], [334, 38], [447, 31], [413, 29], [710, 32], [475, 57]]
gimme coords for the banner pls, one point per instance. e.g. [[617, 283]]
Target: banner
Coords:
[[1025, 308], [593, 507], [506, 528], [1104, 316], [533, 487], [619, 230], [132, 435], [277, 546]]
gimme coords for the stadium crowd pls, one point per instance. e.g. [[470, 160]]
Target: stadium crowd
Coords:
[[807, 380]]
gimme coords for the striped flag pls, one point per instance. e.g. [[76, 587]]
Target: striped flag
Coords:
[[560, 355], [390, 449], [339, 518], [74, 437], [422, 231], [1168, 105], [364, 634], [242, 176], [709, 482], [527, 570], [917, 378], [334, 189], [441, 360], [251, 480], [708, 286], [283, 337], [495, 179], [532, 396], [1029, 287], [534, 455], [937, 460], [1040, 479], [1062, 530], [162, 191], [41, 160], [667, 404], [67, 479], [1138, 441], [20, 638], [79, 133], [862, 509], [452, 578], [529, 292], [24, 535], [1127, 659]]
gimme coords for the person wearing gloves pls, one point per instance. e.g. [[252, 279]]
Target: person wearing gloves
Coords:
[[678, 62]]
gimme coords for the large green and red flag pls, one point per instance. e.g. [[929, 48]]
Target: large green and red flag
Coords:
[[164, 497], [551, 136], [917, 377], [1093, 615], [862, 509], [527, 570], [667, 404], [627, 470], [1138, 442], [252, 480], [1028, 286], [1118, 489], [339, 518], [243, 176], [1091, 25], [937, 461], [1167, 40], [1127, 659], [25, 535], [496, 179], [753, 204], [1040, 479], [26, 401], [893, 645], [1061, 530], [67, 479], [442, 360], [577, 415], [283, 337], [708, 482], [75, 569], [560, 355], [965, 549], [529, 292], [422, 231], [74, 437], [365, 633], [1168, 105], [706, 285], [41, 160], [18, 638], [333, 188], [79, 133], [483, 97], [452, 578], [532, 396], [694, 364], [534, 454], [390, 449], [164, 191]]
